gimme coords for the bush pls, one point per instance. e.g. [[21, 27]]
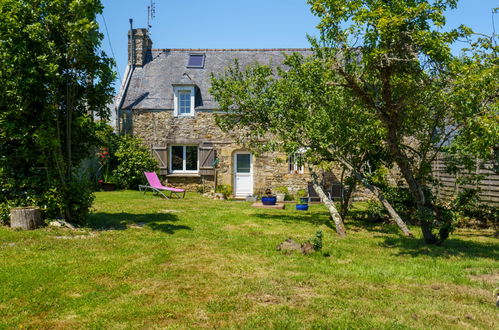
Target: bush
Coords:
[[469, 212], [225, 189], [133, 160], [71, 202], [317, 240], [401, 200]]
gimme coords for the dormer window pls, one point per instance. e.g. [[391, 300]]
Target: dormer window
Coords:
[[183, 101], [196, 61]]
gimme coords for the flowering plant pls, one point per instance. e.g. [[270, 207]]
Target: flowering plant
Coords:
[[103, 158]]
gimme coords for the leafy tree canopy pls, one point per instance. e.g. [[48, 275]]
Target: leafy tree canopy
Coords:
[[383, 84], [53, 79]]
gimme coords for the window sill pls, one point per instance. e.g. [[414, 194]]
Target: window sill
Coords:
[[190, 175]]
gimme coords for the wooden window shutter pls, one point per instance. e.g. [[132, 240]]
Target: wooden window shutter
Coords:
[[161, 155], [207, 156]]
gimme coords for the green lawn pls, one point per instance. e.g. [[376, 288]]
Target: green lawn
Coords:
[[199, 263]]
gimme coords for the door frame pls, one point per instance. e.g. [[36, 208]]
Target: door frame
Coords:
[[235, 171]]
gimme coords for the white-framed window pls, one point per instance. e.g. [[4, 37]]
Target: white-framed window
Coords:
[[184, 159], [183, 100], [295, 162]]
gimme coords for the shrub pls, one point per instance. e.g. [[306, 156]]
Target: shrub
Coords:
[[317, 240], [225, 189], [401, 200], [133, 160], [469, 212], [71, 202]]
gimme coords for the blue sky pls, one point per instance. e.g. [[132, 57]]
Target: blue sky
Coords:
[[240, 24]]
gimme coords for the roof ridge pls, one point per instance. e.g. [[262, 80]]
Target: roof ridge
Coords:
[[230, 49]]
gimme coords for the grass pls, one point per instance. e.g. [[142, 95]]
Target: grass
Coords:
[[199, 263]]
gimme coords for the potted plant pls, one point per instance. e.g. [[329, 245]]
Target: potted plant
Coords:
[[281, 193], [268, 198], [301, 200]]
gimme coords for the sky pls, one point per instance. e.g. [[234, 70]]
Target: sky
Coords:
[[240, 23]]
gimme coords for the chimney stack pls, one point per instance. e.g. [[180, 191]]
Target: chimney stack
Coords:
[[139, 47]]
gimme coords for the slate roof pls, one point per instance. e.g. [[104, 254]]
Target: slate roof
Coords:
[[151, 86]]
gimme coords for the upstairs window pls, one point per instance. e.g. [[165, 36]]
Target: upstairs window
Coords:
[[184, 105], [196, 61], [296, 163], [183, 101]]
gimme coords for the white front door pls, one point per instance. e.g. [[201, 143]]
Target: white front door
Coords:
[[243, 174]]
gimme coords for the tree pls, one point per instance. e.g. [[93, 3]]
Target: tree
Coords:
[[295, 107], [53, 79], [382, 88], [394, 60]]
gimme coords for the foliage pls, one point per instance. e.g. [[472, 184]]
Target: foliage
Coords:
[[301, 193], [294, 108], [381, 88], [133, 160], [317, 240], [53, 79], [225, 189], [281, 190], [108, 144], [401, 200], [395, 60], [468, 211]]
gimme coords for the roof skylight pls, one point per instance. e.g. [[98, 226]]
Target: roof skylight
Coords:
[[196, 61]]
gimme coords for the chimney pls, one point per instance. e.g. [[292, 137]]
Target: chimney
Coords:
[[139, 46]]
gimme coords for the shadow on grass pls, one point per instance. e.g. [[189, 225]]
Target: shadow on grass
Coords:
[[374, 227], [313, 218], [452, 247], [121, 221]]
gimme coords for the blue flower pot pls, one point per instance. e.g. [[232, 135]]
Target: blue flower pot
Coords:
[[269, 200], [302, 207]]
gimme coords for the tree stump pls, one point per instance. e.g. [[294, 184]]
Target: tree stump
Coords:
[[25, 218]]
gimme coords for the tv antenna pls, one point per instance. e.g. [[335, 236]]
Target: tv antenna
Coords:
[[151, 13]]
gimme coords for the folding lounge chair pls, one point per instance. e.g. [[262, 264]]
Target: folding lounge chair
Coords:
[[155, 185]]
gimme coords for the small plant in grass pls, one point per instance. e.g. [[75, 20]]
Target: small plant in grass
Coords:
[[317, 240]]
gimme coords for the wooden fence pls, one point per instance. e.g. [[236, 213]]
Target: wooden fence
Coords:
[[450, 186]]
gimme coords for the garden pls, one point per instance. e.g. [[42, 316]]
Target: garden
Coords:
[[141, 261]]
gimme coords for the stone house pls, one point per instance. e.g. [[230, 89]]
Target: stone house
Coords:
[[165, 101]]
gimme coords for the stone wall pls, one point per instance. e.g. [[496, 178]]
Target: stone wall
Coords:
[[161, 128]]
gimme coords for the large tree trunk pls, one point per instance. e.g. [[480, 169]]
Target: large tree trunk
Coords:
[[338, 222], [425, 211], [393, 214]]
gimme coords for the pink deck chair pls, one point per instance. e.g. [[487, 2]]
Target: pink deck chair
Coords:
[[155, 185]]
